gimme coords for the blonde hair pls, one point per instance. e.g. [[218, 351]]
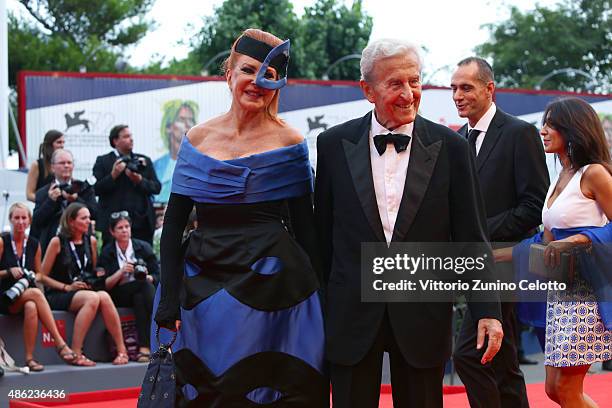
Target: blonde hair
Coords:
[[230, 63], [19, 206]]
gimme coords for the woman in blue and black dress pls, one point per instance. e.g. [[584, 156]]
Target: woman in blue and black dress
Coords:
[[251, 329]]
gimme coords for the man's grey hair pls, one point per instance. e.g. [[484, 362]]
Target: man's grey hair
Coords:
[[385, 48], [485, 71], [58, 152]]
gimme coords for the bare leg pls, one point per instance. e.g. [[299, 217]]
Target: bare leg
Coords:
[[85, 304], [111, 320], [44, 313], [550, 385], [30, 328], [568, 386]]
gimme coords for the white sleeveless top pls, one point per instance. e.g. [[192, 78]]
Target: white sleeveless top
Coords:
[[571, 208]]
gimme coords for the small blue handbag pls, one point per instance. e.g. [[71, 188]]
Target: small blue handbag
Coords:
[[159, 384]]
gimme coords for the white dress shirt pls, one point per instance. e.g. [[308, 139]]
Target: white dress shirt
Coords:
[[483, 125], [389, 175]]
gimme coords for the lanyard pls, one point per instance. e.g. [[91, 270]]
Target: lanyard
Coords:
[[76, 258], [20, 263]]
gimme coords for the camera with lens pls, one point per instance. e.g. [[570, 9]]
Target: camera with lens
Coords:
[[28, 280], [76, 186], [140, 269], [134, 164]]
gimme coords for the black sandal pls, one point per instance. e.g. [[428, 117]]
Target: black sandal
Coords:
[[34, 365]]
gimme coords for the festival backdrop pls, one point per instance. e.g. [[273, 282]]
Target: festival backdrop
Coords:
[[160, 109]]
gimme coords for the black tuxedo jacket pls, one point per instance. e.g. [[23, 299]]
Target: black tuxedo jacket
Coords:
[[513, 177], [122, 194], [441, 202]]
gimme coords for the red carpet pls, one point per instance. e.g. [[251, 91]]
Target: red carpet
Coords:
[[597, 386]]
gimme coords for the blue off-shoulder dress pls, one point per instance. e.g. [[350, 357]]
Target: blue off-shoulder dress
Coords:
[[252, 327]]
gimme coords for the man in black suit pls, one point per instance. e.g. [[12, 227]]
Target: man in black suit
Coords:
[[126, 181], [514, 180], [392, 189], [53, 198]]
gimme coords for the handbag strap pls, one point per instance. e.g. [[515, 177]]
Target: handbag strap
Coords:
[[166, 346]]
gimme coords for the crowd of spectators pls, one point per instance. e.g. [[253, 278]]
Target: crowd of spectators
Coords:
[[62, 256]]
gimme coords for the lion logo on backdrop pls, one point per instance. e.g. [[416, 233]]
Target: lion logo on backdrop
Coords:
[[316, 123], [76, 120]]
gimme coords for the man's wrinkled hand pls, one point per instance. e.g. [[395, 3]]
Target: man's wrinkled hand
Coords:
[[492, 330]]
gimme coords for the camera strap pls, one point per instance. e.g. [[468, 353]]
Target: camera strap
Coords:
[[77, 259], [20, 262]]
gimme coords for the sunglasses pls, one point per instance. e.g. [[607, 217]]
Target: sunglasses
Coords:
[[120, 214]]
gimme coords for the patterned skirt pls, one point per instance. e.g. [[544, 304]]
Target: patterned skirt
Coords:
[[575, 333]]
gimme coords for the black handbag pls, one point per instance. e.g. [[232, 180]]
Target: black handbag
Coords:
[[159, 385]]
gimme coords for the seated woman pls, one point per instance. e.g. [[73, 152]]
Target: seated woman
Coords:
[[67, 272], [131, 269], [40, 172], [20, 258]]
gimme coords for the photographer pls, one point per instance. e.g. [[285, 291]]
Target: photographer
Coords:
[[19, 263], [73, 282], [126, 181], [132, 269], [54, 197]]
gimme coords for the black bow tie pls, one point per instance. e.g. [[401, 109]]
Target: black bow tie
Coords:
[[400, 141]]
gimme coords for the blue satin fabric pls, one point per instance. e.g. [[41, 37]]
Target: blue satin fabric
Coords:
[[274, 175], [221, 330], [595, 269]]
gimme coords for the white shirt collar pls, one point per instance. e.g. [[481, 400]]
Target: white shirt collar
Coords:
[[69, 181], [377, 129], [128, 256], [485, 121]]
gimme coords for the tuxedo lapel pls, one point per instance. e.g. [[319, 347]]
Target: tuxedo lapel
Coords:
[[423, 157], [357, 152], [490, 140]]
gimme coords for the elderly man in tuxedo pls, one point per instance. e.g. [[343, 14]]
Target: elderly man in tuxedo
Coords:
[[393, 176]]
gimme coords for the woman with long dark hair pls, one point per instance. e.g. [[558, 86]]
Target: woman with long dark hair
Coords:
[[578, 204], [68, 272], [40, 172]]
